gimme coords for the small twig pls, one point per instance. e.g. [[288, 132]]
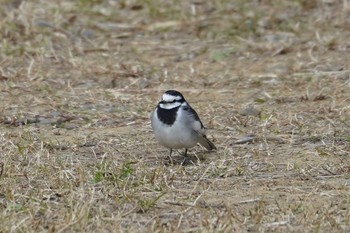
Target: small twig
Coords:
[[245, 139], [29, 71], [179, 203], [248, 201], [275, 224], [1, 168]]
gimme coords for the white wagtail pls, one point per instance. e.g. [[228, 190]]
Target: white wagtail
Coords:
[[176, 125]]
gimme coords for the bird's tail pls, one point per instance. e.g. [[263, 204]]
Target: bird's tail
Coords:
[[204, 141]]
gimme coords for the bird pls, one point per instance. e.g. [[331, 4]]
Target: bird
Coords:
[[176, 124]]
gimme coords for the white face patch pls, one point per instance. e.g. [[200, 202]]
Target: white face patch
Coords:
[[170, 105], [169, 98]]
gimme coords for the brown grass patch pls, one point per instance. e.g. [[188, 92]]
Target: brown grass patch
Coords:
[[270, 80]]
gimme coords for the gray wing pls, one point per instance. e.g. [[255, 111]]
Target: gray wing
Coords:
[[193, 113], [199, 128]]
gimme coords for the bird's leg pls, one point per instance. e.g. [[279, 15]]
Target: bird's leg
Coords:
[[171, 160], [185, 158]]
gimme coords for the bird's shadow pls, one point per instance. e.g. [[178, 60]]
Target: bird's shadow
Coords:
[[188, 160]]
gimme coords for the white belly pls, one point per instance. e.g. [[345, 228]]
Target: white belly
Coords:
[[177, 136]]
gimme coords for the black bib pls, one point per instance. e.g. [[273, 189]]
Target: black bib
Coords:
[[167, 116]]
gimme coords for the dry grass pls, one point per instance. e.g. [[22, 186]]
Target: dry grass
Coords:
[[80, 78]]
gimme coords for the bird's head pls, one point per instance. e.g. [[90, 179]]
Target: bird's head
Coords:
[[171, 99]]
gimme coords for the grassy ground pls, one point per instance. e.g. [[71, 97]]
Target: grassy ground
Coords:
[[270, 80]]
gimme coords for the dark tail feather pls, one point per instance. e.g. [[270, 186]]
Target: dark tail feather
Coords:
[[204, 141]]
